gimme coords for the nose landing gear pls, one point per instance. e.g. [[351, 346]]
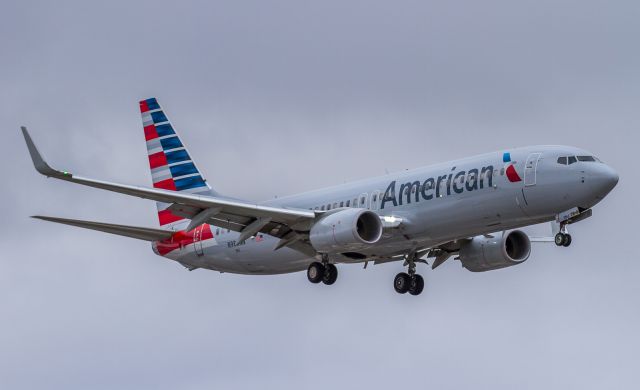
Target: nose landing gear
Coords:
[[563, 239]]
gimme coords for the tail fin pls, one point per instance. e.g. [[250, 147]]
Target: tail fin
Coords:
[[172, 167]]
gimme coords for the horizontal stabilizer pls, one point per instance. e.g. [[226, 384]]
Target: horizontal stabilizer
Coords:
[[140, 233]]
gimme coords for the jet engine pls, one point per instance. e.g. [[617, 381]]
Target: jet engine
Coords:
[[347, 230], [483, 253]]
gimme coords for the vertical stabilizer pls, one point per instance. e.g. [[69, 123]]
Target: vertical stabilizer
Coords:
[[172, 167]]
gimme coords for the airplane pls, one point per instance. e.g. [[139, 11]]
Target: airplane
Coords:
[[469, 209]]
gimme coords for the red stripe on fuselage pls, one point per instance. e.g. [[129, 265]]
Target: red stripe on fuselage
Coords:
[[181, 239], [157, 160]]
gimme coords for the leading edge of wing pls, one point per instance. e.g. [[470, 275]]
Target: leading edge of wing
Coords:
[[277, 214]]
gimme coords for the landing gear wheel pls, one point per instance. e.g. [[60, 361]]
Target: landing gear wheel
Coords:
[[416, 285], [563, 239], [315, 272], [330, 274], [401, 283]]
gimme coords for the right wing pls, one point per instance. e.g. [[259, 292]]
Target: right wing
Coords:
[[237, 215]]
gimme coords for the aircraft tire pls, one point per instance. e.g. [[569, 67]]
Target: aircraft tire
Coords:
[[567, 240], [401, 283], [330, 274], [315, 272], [559, 239], [416, 285]]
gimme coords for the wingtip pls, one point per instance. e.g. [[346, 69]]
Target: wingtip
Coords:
[[36, 158]]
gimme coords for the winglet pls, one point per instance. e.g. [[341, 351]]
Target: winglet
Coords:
[[38, 162]]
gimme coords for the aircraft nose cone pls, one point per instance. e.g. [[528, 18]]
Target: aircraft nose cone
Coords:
[[604, 179]]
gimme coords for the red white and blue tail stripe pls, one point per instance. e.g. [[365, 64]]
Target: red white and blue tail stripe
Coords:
[[171, 165]]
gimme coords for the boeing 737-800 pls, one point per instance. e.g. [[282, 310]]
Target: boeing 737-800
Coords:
[[465, 208]]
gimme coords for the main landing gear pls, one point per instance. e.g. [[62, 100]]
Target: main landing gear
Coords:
[[322, 272], [409, 281]]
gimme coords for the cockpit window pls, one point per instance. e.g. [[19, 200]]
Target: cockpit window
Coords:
[[586, 158], [572, 159], [562, 160]]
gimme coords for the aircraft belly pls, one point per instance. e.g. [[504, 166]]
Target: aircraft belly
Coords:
[[250, 257]]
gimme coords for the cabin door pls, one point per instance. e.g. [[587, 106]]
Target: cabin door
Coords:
[[530, 168]]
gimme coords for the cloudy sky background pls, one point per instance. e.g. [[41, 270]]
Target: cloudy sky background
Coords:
[[278, 97]]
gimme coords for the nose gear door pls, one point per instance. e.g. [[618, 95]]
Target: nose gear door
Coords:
[[530, 169]]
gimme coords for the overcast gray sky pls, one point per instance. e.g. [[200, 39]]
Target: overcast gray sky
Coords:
[[277, 97]]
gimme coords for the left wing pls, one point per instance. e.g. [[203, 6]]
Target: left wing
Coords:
[[245, 217]]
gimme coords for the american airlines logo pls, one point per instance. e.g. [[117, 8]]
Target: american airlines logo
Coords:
[[510, 169], [458, 182]]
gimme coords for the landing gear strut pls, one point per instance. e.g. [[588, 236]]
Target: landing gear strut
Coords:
[[409, 281], [322, 272]]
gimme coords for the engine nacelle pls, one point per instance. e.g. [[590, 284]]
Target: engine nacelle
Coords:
[[348, 230], [484, 254]]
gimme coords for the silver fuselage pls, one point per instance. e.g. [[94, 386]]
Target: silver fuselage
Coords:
[[436, 204]]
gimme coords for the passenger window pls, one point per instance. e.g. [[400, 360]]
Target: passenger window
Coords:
[[355, 202], [329, 206], [586, 158], [562, 160], [348, 202], [218, 232], [375, 197], [342, 204], [335, 205], [362, 200], [572, 159], [322, 208]]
